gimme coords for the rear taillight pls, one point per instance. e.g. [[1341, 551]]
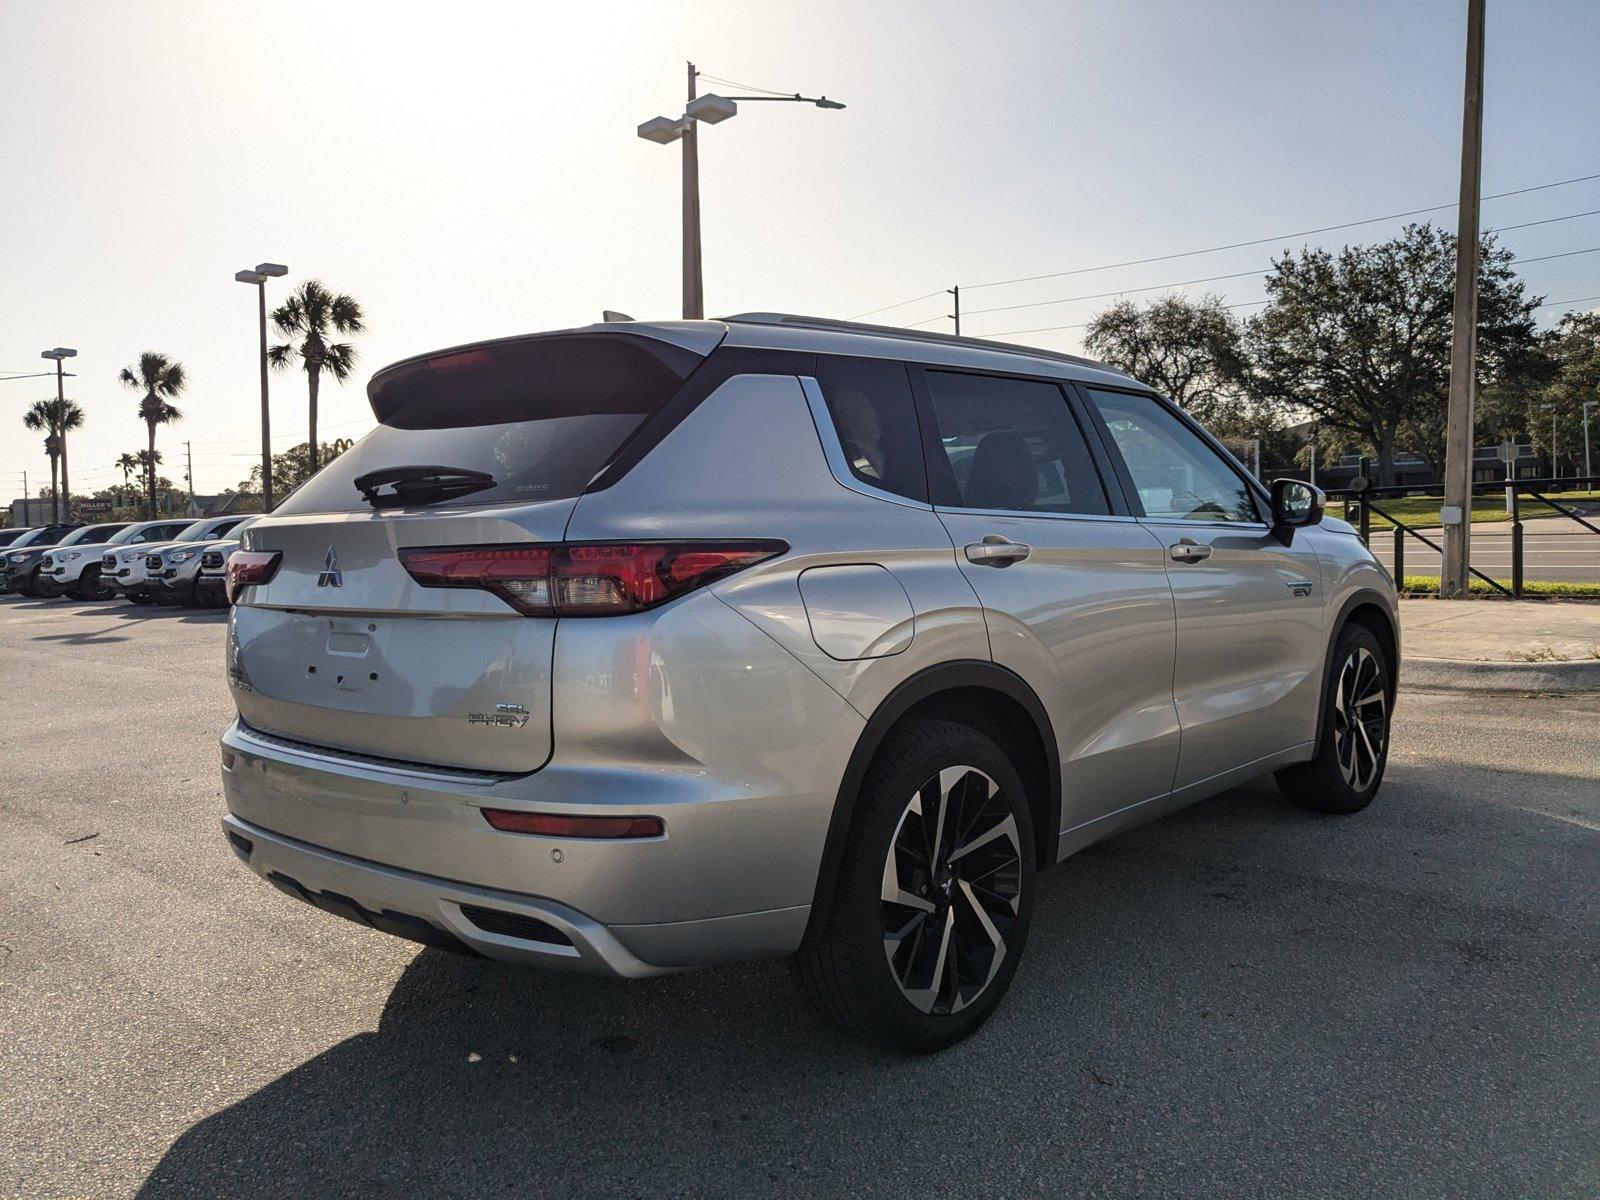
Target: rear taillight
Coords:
[[248, 567], [554, 825], [598, 579]]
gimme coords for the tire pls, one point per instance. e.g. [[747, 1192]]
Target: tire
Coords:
[[89, 585], [1348, 768], [874, 965]]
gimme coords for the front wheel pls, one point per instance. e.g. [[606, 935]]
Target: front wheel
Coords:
[[1354, 748], [89, 585], [931, 907]]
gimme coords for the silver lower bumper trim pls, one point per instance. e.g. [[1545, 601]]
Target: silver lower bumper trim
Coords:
[[594, 948]]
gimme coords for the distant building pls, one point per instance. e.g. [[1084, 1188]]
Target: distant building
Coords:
[[32, 511]]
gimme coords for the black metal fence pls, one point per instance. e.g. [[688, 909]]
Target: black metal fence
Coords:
[[1362, 503]]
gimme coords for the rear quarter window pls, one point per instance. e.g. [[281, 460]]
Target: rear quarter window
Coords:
[[875, 417]]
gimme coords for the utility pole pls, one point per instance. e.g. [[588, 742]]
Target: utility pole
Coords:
[[1464, 333], [956, 316], [1588, 469], [694, 288], [188, 450]]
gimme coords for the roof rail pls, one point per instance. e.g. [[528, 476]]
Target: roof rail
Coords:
[[911, 335]]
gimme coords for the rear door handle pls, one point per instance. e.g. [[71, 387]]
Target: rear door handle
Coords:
[[996, 551], [1189, 551]]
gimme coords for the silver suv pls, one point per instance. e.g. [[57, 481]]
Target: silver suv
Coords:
[[642, 647]]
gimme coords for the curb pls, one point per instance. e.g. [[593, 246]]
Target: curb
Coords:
[[1454, 675]]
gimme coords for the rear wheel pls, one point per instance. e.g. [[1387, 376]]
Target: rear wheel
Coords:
[[1348, 768], [930, 910]]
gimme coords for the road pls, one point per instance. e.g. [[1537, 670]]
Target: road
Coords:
[[1553, 548], [1242, 1000]]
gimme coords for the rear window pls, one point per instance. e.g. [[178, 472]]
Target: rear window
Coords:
[[541, 415]]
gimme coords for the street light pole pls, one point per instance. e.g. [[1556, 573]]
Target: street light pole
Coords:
[[1456, 514], [694, 287], [708, 109], [63, 499], [259, 277]]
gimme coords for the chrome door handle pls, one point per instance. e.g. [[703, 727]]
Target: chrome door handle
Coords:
[[996, 551], [1189, 551]]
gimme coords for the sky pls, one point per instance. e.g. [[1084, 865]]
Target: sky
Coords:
[[470, 170]]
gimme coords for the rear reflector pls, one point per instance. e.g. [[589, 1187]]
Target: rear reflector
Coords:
[[552, 825], [248, 567], [597, 579]]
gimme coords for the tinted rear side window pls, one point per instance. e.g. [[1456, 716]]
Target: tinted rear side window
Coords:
[[876, 420], [541, 415], [1012, 444]]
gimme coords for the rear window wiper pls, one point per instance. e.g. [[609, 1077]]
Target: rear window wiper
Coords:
[[419, 485]]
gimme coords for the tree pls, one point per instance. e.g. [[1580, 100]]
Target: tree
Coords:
[[128, 464], [40, 417], [1191, 350], [311, 315], [161, 379], [59, 418], [1574, 377], [293, 467], [1361, 339]]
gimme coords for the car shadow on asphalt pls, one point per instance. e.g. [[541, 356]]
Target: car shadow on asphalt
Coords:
[[120, 613], [1243, 990]]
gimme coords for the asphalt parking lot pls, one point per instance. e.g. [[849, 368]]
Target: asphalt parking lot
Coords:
[[1243, 1000]]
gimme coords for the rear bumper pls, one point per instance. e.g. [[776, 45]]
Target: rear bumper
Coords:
[[496, 924], [731, 881]]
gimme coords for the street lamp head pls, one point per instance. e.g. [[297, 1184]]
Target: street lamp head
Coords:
[[824, 102], [711, 109], [271, 270], [663, 130], [59, 353], [249, 276]]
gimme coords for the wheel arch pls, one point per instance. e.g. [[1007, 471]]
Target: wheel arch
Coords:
[[984, 695], [1370, 609]]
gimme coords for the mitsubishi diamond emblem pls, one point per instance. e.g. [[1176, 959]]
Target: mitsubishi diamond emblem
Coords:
[[330, 575]]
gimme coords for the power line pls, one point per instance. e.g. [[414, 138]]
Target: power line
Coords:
[[1567, 254], [1415, 212], [1154, 287], [1086, 324], [1593, 212], [1134, 262], [735, 83], [1242, 304], [874, 311]]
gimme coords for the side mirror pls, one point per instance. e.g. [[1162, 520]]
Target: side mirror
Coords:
[[1295, 503]]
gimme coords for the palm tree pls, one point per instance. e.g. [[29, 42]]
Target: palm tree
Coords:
[[128, 464], [312, 314], [161, 379], [144, 461], [58, 418]]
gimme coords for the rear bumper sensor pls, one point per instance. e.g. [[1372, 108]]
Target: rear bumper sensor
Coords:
[[515, 925], [412, 928]]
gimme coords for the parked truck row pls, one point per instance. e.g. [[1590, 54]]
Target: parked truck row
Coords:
[[170, 561]]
